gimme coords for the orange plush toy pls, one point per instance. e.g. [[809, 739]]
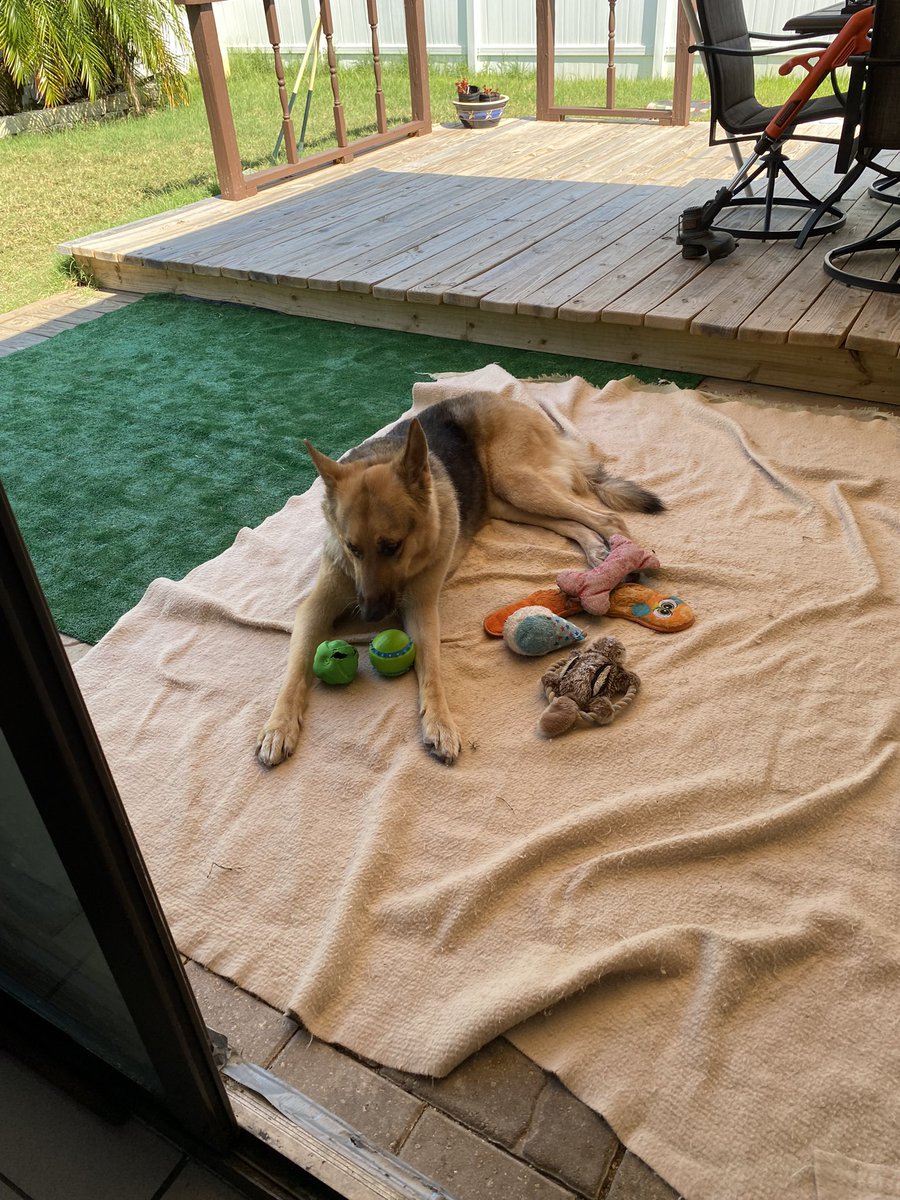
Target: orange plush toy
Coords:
[[600, 591]]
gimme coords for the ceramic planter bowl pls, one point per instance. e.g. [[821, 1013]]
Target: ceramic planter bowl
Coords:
[[480, 114]]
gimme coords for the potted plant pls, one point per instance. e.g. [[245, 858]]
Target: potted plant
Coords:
[[478, 106]]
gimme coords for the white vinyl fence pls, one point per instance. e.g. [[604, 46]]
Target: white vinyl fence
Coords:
[[489, 33]]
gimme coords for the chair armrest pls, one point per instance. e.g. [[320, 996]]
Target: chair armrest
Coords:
[[731, 52], [777, 37]]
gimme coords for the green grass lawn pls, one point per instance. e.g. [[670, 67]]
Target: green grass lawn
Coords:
[[64, 185]]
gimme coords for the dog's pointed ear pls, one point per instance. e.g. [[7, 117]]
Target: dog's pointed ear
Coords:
[[330, 470], [412, 464]]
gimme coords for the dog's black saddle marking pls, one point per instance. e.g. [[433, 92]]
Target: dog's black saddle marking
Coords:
[[449, 441]]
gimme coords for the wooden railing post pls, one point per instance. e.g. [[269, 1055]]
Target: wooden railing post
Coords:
[[547, 108], [684, 70], [340, 121], [211, 69], [287, 125], [611, 57], [380, 114], [233, 183], [545, 58], [417, 53]]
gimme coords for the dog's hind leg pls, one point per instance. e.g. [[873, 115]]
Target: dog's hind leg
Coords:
[[531, 459], [534, 493], [593, 545]]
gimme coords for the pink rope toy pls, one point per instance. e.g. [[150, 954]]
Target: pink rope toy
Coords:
[[591, 588]]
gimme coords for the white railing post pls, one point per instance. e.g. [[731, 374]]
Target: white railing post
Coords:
[[661, 27], [472, 32]]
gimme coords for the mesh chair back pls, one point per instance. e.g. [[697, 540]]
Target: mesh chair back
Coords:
[[880, 123], [732, 84]]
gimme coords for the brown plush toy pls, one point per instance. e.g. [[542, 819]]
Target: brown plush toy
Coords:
[[590, 684]]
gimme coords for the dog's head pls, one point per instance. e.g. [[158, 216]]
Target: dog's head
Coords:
[[381, 515]]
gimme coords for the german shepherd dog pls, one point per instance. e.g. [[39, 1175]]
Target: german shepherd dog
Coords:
[[401, 511]]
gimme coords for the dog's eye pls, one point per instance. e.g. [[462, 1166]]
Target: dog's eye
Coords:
[[389, 549], [354, 550]]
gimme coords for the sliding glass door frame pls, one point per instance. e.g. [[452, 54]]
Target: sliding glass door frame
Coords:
[[46, 724]]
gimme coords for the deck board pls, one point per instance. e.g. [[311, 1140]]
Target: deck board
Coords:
[[625, 265], [558, 236]]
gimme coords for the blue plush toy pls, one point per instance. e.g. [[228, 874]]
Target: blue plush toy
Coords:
[[535, 630]]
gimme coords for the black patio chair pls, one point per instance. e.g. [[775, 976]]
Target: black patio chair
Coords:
[[735, 112], [872, 125]]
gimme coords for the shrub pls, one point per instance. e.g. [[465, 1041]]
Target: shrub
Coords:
[[62, 50]]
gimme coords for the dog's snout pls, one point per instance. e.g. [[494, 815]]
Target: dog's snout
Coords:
[[376, 608]]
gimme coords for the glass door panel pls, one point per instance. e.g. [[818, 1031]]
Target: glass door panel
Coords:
[[50, 958], [83, 941]]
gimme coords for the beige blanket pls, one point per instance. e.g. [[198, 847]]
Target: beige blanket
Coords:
[[691, 915]]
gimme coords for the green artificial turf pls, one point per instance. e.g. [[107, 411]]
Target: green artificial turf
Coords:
[[137, 445]]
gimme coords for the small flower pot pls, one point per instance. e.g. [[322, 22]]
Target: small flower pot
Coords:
[[480, 114]]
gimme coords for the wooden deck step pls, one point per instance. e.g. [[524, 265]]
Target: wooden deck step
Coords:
[[558, 236]]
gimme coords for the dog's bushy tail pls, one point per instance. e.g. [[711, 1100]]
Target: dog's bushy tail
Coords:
[[624, 494]]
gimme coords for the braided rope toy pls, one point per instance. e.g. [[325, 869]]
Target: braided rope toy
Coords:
[[591, 685]]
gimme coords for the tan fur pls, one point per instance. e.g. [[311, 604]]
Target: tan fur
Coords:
[[536, 475]]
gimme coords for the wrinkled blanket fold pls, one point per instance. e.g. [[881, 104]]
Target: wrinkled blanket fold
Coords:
[[689, 915]]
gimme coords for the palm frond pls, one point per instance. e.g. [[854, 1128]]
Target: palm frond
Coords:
[[62, 46]]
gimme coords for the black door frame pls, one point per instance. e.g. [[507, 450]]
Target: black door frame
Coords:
[[49, 732]]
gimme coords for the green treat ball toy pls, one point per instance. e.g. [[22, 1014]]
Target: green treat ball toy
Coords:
[[392, 652], [335, 662]]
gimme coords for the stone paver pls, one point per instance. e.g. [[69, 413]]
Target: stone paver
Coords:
[[52, 1147], [471, 1168], [635, 1181], [569, 1140], [494, 1091], [34, 323], [18, 341], [254, 1030], [381, 1111], [40, 326]]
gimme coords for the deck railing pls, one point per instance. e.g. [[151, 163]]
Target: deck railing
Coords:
[[549, 110], [234, 183]]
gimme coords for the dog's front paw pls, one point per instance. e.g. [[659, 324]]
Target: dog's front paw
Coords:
[[442, 738], [278, 740]]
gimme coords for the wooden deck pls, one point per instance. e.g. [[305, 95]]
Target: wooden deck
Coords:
[[555, 237]]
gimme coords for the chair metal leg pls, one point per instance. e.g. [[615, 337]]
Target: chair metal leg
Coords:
[[739, 162], [879, 189], [771, 177], [877, 242], [827, 205], [771, 160]]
